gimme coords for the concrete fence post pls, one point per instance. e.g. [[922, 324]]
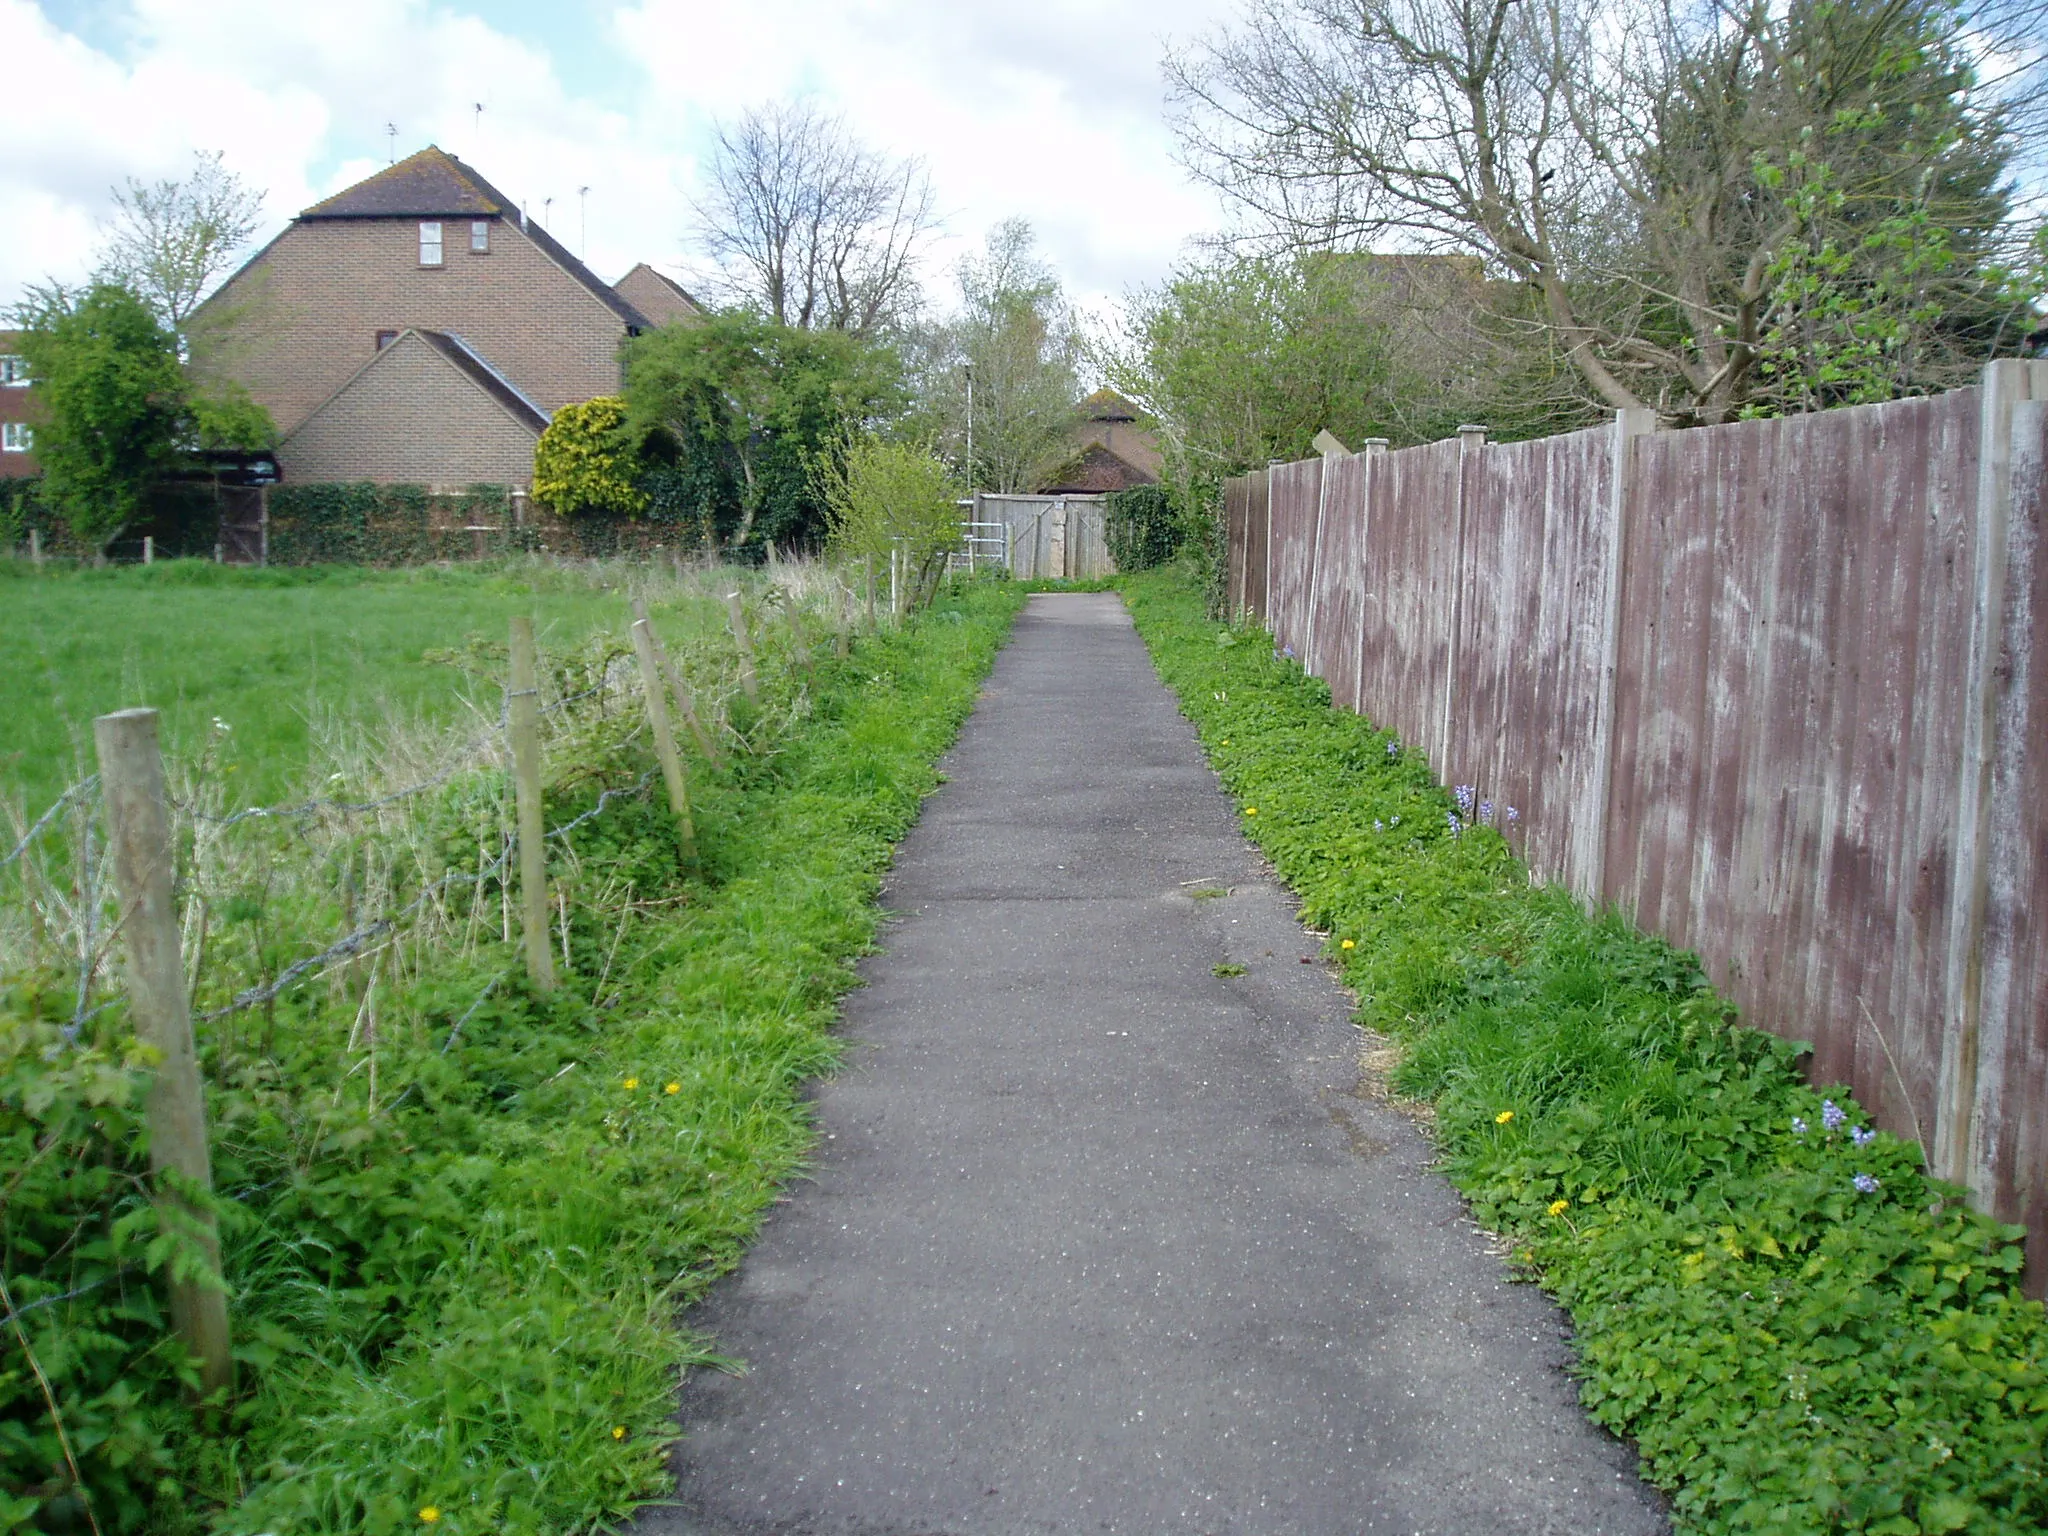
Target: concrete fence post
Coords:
[[524, 699], [138, 823], [1587, 869], [1955, 1149], [149, 549]]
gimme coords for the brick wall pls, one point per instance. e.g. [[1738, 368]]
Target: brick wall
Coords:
[[305, 313], [414, 418], [14, 406]]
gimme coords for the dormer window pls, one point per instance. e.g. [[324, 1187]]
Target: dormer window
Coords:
[[14, 371], [480, 235], [430, 242]]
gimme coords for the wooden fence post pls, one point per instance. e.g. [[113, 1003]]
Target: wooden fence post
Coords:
[[1955, 1149], [686, 705], [651, 683], [524, 699], [149, 549], [736, 611], [1471, 440], [35, 548], [132, 783]]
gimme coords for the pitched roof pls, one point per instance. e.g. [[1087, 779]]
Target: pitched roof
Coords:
[[1092, 471], [433, 184], [1106, 405], [493, 383], [657, 295]]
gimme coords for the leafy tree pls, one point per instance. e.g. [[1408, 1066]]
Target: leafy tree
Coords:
[[170, 240], [225, 419], [583, 465], [1646, 176], [743, 408], [1016, 341], [115, 407], [889, 498]]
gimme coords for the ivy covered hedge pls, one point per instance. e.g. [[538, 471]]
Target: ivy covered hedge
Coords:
[[1801, 1331], [361, 523], [1141, 527]]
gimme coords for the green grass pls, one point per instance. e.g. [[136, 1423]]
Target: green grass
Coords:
[[1790, 1352], [459, 1289], [268, 651]]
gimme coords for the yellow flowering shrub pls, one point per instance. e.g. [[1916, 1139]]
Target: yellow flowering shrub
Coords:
[[580, 465]]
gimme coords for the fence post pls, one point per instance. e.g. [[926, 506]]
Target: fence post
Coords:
[[1955, 1151], [132, 783], [1588, 873], [149, 549], [1266, 609], [35, 548], [524, 699], [664, 736], [685, 704], [737, 613]]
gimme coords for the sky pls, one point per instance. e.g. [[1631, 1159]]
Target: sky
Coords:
[[1049, 110]]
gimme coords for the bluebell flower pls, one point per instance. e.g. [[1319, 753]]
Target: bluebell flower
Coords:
[[1486, 812], [1393, 749], [1798, 1126], [1456, 825], [1866, 1184], [1378, 825], [1463, 795], [1831, 1114], [1513, 814], [1287, 651], [1862, 1135]]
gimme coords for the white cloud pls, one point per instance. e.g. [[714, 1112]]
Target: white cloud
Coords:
[[1049, 111]]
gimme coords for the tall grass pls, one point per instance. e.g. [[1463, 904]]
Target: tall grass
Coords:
[[459, 1218]]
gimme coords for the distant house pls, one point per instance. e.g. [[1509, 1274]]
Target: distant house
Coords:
[[660, 298], [491, 326], [17, 434], [1109, 450]]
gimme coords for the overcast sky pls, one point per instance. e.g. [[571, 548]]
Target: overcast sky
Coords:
[[1051, 110]]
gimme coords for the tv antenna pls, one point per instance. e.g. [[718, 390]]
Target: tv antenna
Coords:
[[476, 127], [391, 135], [547, 208], [583, 222]]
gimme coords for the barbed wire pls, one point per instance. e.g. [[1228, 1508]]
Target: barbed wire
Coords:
[[83, 786]]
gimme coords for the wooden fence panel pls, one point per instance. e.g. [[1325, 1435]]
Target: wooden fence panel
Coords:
[[1411, 560], [1338, 596], [1258, 543], [1237, 495], [1296, 495]]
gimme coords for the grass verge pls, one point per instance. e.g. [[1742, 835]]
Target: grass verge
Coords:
[[460, 1219], [1799, 1329]]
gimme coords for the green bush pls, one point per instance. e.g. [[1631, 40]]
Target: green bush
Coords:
[[1141, 527], [1801, 1331], [582, 464]]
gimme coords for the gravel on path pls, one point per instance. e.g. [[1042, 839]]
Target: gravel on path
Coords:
[[1099, 1240]]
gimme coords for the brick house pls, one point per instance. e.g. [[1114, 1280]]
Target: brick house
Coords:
[[1108, 450], [17, 435], [492, 325]]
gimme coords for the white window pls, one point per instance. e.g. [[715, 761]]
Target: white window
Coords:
[[15, 437], [480, 234], [430, 242], [14, 371]]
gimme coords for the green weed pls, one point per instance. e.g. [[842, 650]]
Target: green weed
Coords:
[[1799, 1329]]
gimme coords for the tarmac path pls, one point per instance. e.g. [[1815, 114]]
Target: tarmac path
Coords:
[[1098, 1240]]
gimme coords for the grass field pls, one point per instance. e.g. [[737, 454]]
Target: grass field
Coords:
[[270, 652]]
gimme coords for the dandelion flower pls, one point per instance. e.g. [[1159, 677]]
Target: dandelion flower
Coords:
[[1348, 944], [1504, 1117], [1251, 810], [430, 1514], [671, 1087], [632, 1083], [1226, 741], [1559, 1207], [618, 1431]]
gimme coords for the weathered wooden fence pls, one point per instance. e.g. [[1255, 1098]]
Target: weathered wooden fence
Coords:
[[1775, 689], [1048, 537]]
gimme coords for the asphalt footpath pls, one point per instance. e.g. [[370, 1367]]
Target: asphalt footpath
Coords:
[[1098, 1240]]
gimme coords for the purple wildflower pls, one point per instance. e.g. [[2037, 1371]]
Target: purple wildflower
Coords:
[[1287, 651], [1486, 813], [1798, 1126], [1463, 795], [1378, 825], [1831, 1114], [1862, 1135], [1393, 749], [1513, 814], [1866, 1184], [1456, 825]]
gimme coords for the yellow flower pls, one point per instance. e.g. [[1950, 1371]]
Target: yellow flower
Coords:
[[632, 1083], [671, 1087], [1559, 1207], [1251, 810], [1347, 944], [1504, 1117], [1226, 741], [430, 1514], [618, 1431]]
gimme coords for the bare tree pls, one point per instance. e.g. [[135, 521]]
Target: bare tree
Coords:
[[1651, 176], [810, 226], [170, 240]]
